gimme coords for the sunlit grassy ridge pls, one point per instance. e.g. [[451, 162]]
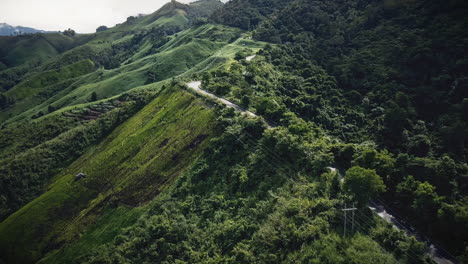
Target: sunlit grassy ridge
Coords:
[[183, 52], [138, 37], [190, 51], [130, 166], [66, 89]]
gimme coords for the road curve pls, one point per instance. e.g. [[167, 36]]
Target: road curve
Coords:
[[195, 85]]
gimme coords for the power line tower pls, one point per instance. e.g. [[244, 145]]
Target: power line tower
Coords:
[[345, 210]]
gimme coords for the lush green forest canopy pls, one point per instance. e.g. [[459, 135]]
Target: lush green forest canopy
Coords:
[[356, 103]]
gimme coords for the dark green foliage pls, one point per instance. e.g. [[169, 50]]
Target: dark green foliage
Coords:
[[10, 77], [247, 14], [242, 54], [236, 205], [363, 184], [365, 57], [93, 97], [101, 29], [51, 109], [69, 32], [388, 71], [5, 101]]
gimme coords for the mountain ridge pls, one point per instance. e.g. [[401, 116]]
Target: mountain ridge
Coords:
[[108, 156]]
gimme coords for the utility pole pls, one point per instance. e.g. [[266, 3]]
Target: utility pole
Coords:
[[345, 210]]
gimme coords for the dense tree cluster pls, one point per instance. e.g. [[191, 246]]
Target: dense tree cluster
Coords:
[[101, 29], [239, 205], [389, 72], [69, 32], [274, 87], [247, 14]]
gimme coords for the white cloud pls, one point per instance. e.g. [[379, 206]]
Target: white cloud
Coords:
[[82, 15]]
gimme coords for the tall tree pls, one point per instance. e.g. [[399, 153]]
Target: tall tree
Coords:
[[363, 184]]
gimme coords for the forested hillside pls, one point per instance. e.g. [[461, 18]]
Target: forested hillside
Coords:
[[390, 72], [110, 154]]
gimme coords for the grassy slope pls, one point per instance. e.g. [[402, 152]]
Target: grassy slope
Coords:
[[169, 15], [38, 87], [224, 57], [41, 47], [134, 162], [129, 168], [24, 51], [189, 51], [109, 224], [15, 51], [179, 18], [110, 83], [38, 82]]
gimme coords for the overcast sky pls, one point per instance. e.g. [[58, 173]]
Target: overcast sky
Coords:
[[84, 16]]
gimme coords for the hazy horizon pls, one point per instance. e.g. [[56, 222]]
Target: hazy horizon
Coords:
[[84, 16]]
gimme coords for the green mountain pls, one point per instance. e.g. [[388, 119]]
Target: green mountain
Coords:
[[247, 132]]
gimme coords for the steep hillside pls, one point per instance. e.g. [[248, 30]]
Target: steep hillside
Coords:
[[78, 84], [115, 48], [389, 72], [242, 203], [127, 62], [110, 154], [131, 165]]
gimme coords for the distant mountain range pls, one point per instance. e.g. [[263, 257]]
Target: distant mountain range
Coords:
[[9, 30]]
